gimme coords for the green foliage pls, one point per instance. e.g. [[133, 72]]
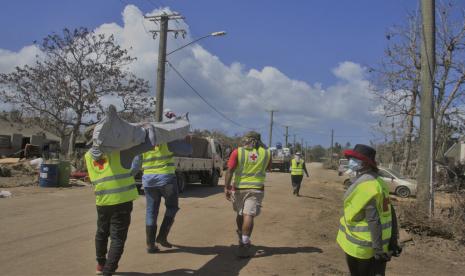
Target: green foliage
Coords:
[[317, 153]]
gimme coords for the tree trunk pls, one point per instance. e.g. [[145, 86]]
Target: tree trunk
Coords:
[[408, 144], [74, 135], [409, 132]]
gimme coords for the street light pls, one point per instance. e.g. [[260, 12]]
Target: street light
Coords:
[[222, 33], [161, 65]]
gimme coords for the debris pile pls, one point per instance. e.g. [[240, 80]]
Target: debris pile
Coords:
[[448, 223], [5, 172], [14, 166]]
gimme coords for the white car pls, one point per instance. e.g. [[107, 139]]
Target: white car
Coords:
[[343, 166], [397, 183]]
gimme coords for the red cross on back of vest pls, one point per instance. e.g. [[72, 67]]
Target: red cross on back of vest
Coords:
[[100, 164], [253, 157]]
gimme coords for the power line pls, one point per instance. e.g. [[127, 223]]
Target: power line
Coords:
[[205, 100]]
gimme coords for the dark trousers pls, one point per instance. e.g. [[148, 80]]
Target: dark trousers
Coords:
[[112, 221], [362, 267], [296, 181], [153, 197]]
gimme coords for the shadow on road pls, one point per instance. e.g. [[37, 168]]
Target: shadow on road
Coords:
[[200, 191], [312, 197], [225, 261]]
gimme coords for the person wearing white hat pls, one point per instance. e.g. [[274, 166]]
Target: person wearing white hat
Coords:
[[297, 172]]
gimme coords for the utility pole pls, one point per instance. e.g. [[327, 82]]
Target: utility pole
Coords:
[[271, 127], [332, 140], [425, 196], [302, 145], [163, 32], [294, 142], [286, 136], [306, 151]]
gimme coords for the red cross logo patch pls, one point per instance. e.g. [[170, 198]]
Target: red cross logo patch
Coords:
[[100, 164], [253, 157]]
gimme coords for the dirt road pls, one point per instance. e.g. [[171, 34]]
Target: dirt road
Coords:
[[52, 233]]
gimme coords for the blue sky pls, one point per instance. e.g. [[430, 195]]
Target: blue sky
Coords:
[[294, 36], [318, 46]]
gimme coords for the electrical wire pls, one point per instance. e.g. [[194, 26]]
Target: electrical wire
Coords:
[[205, 100]]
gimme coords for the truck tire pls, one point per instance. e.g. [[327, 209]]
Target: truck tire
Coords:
[[205, 178], [214, 178], [182, 182]]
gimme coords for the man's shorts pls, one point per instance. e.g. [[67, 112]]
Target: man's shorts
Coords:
[[248, 202]]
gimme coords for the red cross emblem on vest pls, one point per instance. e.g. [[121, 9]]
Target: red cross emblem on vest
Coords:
[[253, 157], [100, 163]]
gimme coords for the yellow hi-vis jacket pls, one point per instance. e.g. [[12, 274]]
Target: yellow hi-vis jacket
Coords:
[[354, 236], [251, 168], [297, 168], [113, 184], [158, 161]]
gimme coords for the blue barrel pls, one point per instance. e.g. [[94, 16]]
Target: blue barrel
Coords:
[[48, 175]]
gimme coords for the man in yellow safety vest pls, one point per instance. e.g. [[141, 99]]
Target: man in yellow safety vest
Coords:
[[115, 190], [368, 232], [248, 164], [159, 181], [298, 169]]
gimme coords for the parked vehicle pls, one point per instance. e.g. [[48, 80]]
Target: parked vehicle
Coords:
[[204, 165], [280, 159], [397, 183], [343, 166]]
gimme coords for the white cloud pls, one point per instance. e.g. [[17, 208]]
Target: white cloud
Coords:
[[9, 60], [243, 95]]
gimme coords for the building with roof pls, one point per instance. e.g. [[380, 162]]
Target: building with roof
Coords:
[[14, 136]]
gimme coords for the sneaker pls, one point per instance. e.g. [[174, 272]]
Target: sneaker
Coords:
[[244, 251], [99, 269]]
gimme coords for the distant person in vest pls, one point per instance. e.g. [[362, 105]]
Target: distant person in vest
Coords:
[[248, 164], [115, 190], [368, 231], [297, 172], [159, 181]]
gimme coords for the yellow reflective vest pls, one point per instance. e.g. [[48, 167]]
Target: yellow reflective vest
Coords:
[[251, 168], [354, 236], [297, 168], [113, 184], [158, 161]]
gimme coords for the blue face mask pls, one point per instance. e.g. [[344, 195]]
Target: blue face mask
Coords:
[[355, 164]]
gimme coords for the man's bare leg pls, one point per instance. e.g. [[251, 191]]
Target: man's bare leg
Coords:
[[239, 222], [247, 227], [244, 243]]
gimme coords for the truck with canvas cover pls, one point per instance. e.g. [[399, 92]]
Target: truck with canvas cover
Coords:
[[280, 158]]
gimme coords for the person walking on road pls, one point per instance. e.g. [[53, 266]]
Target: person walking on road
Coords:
[[297, 172], [115, 190], [368, 231], [248, 164], [159, 181]]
